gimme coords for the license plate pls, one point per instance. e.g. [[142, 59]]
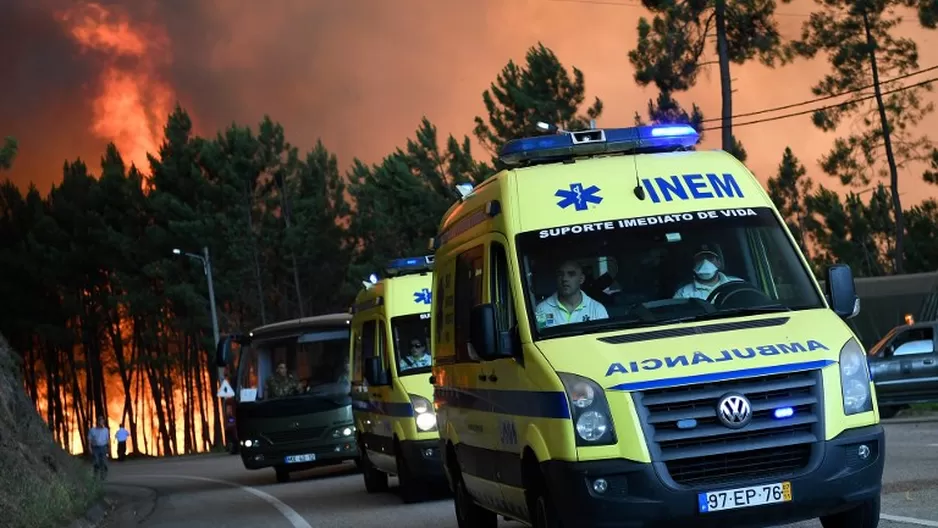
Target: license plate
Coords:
[[712, 501], [293, 459]]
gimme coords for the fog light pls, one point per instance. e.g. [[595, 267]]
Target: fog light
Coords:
[[600, 485], [863, 451]]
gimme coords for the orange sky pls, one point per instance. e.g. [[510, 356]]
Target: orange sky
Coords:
[[359, 74]]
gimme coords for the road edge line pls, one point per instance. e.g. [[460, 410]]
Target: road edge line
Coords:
[[908, 520], [289, 513]]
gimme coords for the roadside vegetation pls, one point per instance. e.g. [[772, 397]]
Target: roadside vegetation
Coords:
[[41, 484]]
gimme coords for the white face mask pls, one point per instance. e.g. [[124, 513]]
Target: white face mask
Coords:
[[705, 270]]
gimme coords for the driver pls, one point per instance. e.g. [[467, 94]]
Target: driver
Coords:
[[281, 383], [417, 356], [569, 304], [707, 275]]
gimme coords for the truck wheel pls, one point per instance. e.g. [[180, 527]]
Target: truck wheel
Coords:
[[865, 515], [375, 481], [412, 488], [282, 474], [468, 513]]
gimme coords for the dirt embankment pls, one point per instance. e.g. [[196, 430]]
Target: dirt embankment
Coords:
[[40, 484]]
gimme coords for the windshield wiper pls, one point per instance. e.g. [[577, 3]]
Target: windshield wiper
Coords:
[[722, 314]]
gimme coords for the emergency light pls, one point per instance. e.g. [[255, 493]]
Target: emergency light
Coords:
[[555, 147], [406, 265]]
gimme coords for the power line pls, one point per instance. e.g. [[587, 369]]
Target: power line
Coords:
[[631, 4], [824, 98], [828, 107]]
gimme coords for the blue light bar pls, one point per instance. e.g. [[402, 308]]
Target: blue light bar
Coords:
[[784, 412], [409, 264], [656, 138]]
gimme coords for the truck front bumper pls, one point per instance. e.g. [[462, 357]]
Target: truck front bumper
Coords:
[[325, 451]]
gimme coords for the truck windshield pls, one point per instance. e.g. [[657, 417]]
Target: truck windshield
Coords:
[[641, 272], [314, 364], [412, 343]]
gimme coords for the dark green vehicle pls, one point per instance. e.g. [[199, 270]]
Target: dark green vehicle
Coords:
[[293, 409]]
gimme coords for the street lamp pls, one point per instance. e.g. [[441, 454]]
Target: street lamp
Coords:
[[207, 268]]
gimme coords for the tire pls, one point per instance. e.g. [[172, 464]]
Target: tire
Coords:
[[545, 516], [468, 513], [282, 474], [376, 481], [865, 515], [412, 489]]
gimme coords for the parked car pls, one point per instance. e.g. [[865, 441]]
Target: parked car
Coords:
[[904, 367]]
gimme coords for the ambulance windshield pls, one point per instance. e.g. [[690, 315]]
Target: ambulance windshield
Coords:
[[412, 343], [641, 272]]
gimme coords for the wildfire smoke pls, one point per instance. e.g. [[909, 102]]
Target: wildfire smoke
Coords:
[[133, 101]]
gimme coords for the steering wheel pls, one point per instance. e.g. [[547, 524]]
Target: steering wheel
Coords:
[[737, 294]]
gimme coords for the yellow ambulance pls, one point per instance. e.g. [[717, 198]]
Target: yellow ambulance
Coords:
[[625, 333], [391, 391]]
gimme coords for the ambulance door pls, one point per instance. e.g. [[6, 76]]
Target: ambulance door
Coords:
[[381, 433], [470, 390], [517, 404]]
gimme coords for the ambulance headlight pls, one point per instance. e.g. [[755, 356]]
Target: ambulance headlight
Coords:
[[424, 414], [592, 419], [855, 379]]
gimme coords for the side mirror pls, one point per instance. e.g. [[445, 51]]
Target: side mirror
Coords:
[[488, 342], [374, 373], [223, 352], [842, 291]]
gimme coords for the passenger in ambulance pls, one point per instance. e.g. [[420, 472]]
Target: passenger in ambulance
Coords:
[[708, 275], [569, 304]]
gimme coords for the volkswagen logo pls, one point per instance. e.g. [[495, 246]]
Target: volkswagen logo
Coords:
[[734, 410]]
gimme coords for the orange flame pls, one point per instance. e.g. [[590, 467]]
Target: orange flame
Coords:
[[133, 102]]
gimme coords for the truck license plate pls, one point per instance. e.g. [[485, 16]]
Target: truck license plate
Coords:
[[293, 459], [712, 501]]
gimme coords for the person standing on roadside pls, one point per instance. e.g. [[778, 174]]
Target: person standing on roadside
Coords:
[[121, 437], [99, 438]]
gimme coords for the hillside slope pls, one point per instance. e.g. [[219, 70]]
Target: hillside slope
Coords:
[[40, 485]]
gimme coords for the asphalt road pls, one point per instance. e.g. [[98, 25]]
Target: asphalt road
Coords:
[[215, 490]]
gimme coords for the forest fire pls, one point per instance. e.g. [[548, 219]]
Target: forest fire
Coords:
[[133, 101]]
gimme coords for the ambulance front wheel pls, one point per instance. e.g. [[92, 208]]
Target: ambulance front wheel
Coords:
[[865, 515], [545, 516], [468, 513], [376, 481]]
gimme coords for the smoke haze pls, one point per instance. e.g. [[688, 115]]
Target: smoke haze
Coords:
[[359, 74]]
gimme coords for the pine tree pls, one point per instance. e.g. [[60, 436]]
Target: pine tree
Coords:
[[542, 90], [671, 48]]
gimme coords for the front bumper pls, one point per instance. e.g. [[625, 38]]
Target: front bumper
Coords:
[[326, 451], [423, 458], [636, 497]]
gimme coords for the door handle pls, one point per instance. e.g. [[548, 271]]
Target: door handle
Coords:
[[929, 362]]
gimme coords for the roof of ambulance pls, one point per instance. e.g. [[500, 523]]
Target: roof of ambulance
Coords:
[[673, 182]]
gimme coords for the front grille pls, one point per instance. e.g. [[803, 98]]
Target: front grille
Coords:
[[294, 435], [710, 452]]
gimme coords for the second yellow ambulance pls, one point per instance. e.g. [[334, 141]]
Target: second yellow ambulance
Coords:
[[391, 392]]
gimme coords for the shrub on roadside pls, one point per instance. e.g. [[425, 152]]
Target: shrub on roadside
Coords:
[[40, 484]]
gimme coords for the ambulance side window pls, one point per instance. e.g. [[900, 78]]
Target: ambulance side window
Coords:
[[357, 356], [382, 343], [368, 339], [501, 288], [469, 288]]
